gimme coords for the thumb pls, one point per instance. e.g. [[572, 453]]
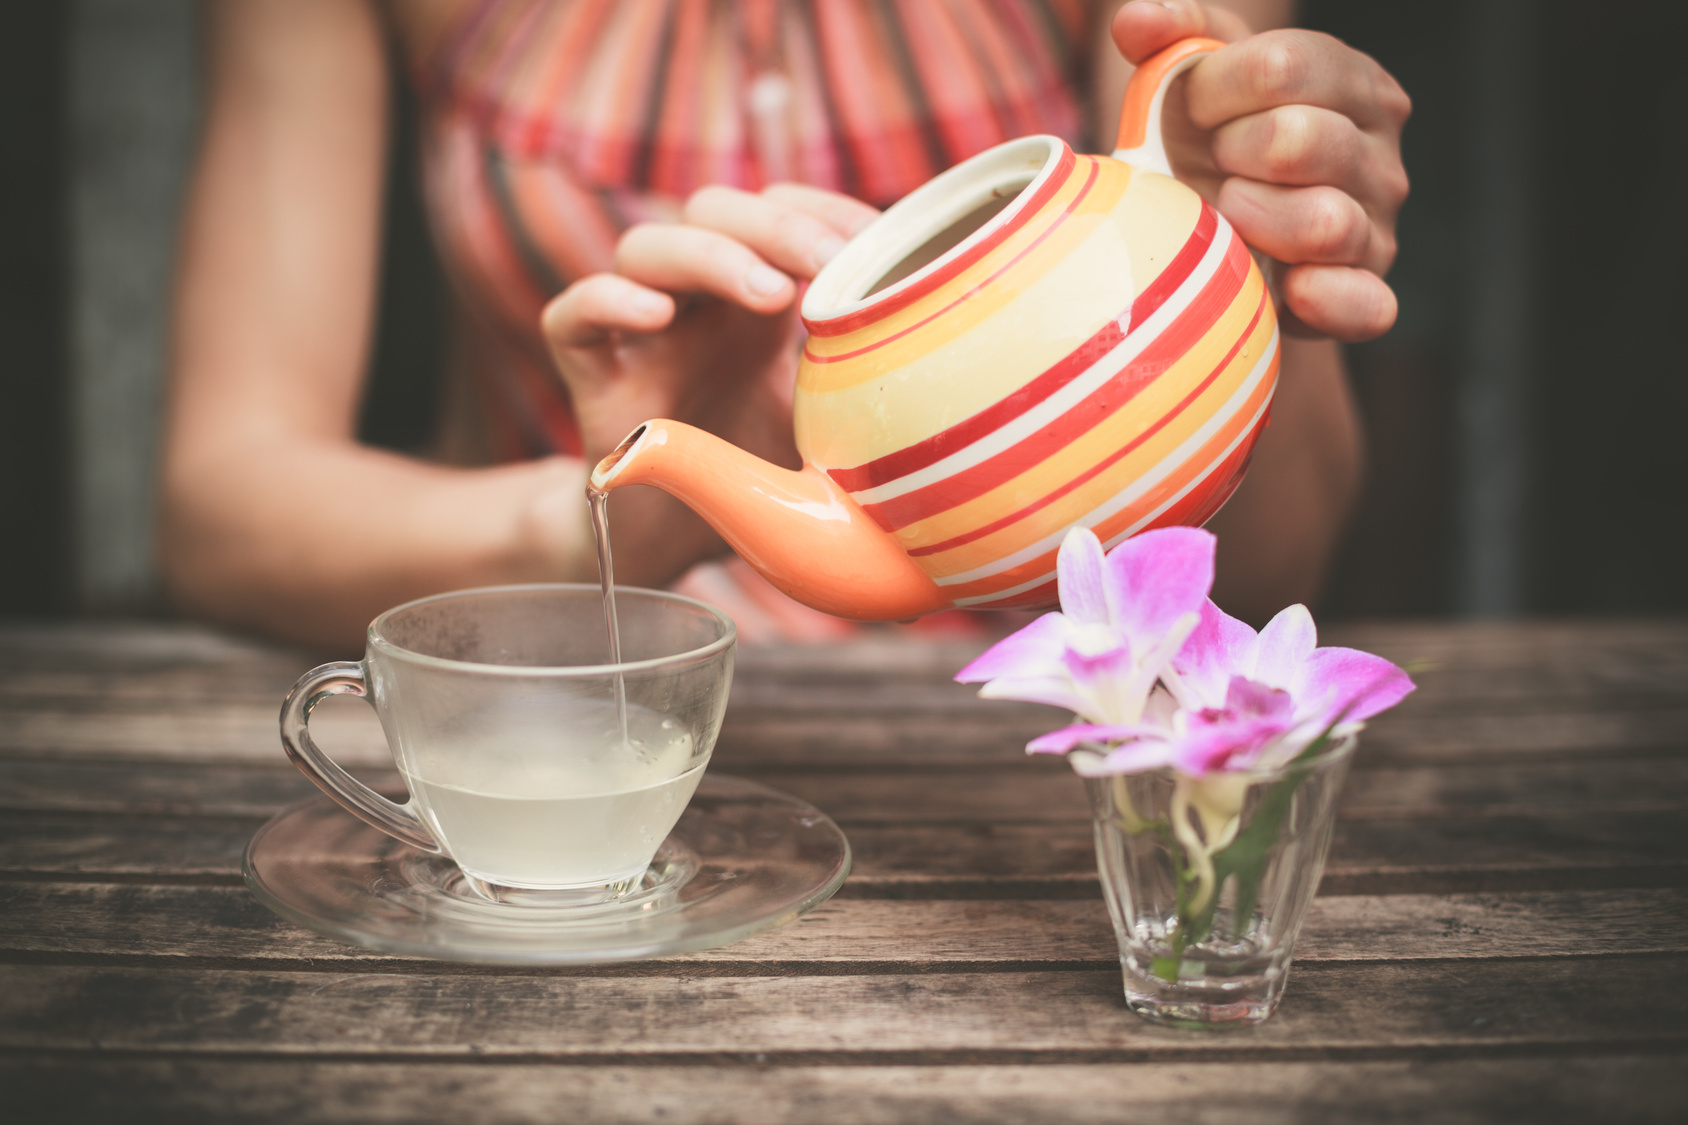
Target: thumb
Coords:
[[1143, 27]]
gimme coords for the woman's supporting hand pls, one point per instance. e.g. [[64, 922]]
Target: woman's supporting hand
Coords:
[[1296, 139], [698, 324], [699, 321]]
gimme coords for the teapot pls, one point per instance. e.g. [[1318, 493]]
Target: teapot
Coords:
[[1033, 340]]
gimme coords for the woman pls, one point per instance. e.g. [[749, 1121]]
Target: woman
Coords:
[[551, 128]]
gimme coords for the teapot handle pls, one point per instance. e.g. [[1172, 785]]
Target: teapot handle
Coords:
[[1140, 143]]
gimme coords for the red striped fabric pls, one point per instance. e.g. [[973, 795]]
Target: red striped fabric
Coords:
[[552, 126], [629, 93]]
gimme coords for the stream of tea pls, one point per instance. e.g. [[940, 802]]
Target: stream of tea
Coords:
[[598, 503]]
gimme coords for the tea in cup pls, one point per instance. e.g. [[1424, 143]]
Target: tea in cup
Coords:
[[532, 762]]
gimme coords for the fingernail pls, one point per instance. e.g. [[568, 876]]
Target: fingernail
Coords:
[[764, 281], [649, 304], [827, 249]]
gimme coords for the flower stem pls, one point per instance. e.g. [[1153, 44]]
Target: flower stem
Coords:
[[1195, 848], [1167, 965]]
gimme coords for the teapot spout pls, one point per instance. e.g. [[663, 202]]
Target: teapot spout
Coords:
[[800, 530]]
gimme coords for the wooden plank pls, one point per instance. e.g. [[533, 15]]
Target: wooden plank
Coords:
[[1444, 854], [1450, 643], [141, 788], [1481, 660], [773, 692], [1376, 857], [192, 850], [181, 692], [867, 737], [227, 926], [1533, 690], [1026, 789], [121, 645], [212, 731], [861, 735], [1459, 1091], [1334, 1010]]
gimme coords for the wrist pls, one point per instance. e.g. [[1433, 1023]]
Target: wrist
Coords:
[[553, 540]]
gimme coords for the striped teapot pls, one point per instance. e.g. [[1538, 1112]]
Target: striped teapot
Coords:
[[1034, 340]]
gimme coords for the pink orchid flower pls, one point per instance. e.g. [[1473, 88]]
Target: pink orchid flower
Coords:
[[1123, 616], [1235, 699], [1193, 742], [1334, 689]]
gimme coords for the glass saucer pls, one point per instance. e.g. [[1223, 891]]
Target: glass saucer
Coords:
[[743, 858]]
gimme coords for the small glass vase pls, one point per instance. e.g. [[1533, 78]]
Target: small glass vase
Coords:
[[1208, 880]]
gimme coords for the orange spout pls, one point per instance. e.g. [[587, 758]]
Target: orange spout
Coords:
[[800, 530]]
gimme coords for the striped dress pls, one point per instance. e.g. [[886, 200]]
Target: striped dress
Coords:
[[550, 127]]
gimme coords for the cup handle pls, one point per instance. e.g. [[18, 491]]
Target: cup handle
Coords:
[[1140, 144], [343, 677]]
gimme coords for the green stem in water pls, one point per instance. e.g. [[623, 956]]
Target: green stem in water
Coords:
[[1243, 859], [1125, 815], [1167, 965]]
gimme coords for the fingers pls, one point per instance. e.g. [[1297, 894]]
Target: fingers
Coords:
[[588, 312], [729, 247], [791, 239], [1300, 145], [1144, 27], [845, 215], [1306, 224], [688, 259], [1307, 132], [1344, 303], [1295, 67]]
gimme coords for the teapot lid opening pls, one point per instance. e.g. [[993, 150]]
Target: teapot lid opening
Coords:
[[915, 244]]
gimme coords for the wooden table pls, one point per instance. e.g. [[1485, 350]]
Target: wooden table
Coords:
[[1502, 931]]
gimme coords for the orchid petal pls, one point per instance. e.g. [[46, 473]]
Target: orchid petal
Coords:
[[1056, 691], [1228, 743], [1060, 741], [1347, 685], [1246, 697], [1219, 648], [1133, 757], [1159, 709], [1089, 671], [1206, 751], [1080, 568], [1158, 576], [1038, 645], [1285, 644]]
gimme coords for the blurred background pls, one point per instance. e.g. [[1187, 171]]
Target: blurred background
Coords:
[[1523, 415]]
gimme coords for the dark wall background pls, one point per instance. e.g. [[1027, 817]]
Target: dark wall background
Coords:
[[1610, 465], [1605, 467], [401, 400], [1607, 384], [1605, 127], [1400, 557], [34, 400]]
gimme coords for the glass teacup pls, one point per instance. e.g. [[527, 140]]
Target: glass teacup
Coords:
[[502, 714]]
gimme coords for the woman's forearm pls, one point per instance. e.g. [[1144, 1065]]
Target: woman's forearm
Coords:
[[271, 515], [311, 540], [1277, 534]]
